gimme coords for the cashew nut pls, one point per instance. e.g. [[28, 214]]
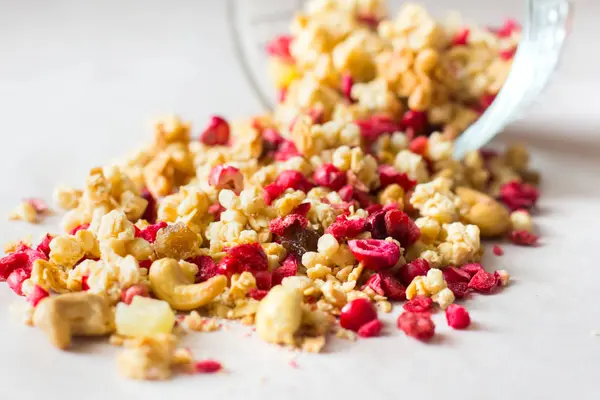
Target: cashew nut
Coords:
[[72, 314], [279, 315], [173, 284], [490, 216]]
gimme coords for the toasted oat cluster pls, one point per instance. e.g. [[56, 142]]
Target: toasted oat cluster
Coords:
[[305, 222]]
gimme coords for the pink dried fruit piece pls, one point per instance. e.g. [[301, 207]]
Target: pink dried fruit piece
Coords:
[[457, 316], [207, 366], [207, 267], [244, 257], [149, 233], [280, 47], [37, 294], [418, 304], [461, 37], [16, 278], [289, 267], [280, 225], [417, 325], [44, 245], [329, 176], [516, 195], [410, 271], [79, 228], [287, 149], [150, 211], [257, 294], [38, 204], [523, 238], [483, 282], [389, 175], [10, 263], [226, 177], [346, 86], [419, 145], [399, 226], [374, 253], [460, 289], [302, 209], [370, 329], [264, 280], [128, 294], [343, 228], [291, 179], [472, 268], [453, 274], [357, 313], [216, 133], [386, 285], [371, 129], [497, 250]]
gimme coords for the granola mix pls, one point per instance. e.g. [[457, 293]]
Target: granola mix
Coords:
[[342, 201]]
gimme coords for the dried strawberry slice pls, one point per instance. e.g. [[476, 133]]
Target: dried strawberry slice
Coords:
[[508, 54], [12, 262], [207, 267], [291, 179], [244, 257], [44, 245], [289, 267], [226, 177], [516, 195], [216, 133], [453, 274], [386, 285], [417, 325], [272, 192], [216, 210], [264, 280], [16, 278], [149, 233], [472, 268], [418, 304], [507, 29], [287, 149], [37, 294], [207, 366], [329, 176], [399, 226], [410, 271], [375, 254], [302, 209], [344, 228], [128, 294], [483, 282]]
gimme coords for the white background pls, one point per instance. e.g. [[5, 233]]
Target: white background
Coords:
[[81, 83]]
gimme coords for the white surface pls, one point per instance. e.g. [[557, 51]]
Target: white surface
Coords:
[[79, 86]]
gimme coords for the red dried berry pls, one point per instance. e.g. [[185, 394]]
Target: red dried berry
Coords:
[[79, 228], [375, 223], [291, 179], [461, 37], [457, 316], [38, 204], [507, 29], [460, 289], [399, 226], [516, 195], [523, 238], [244, 257], [484, 103], [272, 192], [280, 47], [374, 253], [418, 304], [37, 294], [386, 285], [497, 250], [344, 228], [280, 225], [271, 139], [287, 149], [16, 278], [44, 245], [346, 86], [216, 133], [419, 145], [145, 264], [11, 262], [357, 313], [417, 325], [128, 294], [289, 267], [389, 175], [257, 294], [207, 366], [370, 329], [472, 268], [207, 267], [264, 280], [226, 177], [281, 95], [416, 121], [483, 282], [410, 271], [329, 176], [84, 284], [150, 211], [508, 54], [216, 210], [453, 274], [302, 209], [374, 127], [149, 233]]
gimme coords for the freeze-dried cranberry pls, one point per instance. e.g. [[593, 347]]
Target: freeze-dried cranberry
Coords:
[[207, 267], [128, 294], [386, 285], [523, 238], [264, 280], [410, 271], [329, 176], [16, 278], [271, 192], [508, 54], [287, 149], [244, 257], [289, 267], [497, 250], [344, 228], [457, 316], [207, 366], [291, 179], [453, 274], [472, 268], [374, 127], [37, 294], [507, 29], [415, 121], [216, 133], [349, 193], [389, 175], [417, 325], [399, 226], [460, 289], [44, 245], [375, 223], [11, 262], [357, 313], [375, 254], [302, 209], [346, 86], [419, 145], [257, 294], [373, 208], [216, 210], [79, 228], [149, 233], [516, 195], [280, 47], [461, 37], [483, 282], [418, 304], [280, 225], [150, 211], [226, 177], [370, 329]]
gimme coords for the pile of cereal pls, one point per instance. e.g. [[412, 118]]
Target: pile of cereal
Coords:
[[305, 222]]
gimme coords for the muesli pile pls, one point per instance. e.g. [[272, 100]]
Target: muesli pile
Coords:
[[306, 221]]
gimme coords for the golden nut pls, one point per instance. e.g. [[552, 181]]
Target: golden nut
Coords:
[[490, 216]]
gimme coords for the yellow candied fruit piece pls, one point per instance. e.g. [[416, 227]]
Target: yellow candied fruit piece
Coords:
[[144, 317]]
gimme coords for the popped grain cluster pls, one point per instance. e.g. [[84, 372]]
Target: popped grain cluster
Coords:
[[342, 201]]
